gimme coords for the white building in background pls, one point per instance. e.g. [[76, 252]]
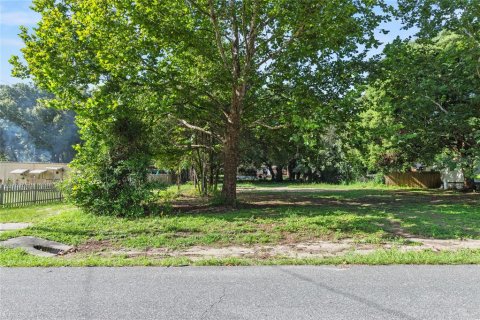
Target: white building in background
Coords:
[[32, 172], [452, 179]]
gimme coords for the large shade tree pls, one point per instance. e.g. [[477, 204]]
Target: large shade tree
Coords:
[[424, 106], [202, 63]]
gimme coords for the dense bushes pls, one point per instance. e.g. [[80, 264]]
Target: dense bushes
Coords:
[[109, 174]]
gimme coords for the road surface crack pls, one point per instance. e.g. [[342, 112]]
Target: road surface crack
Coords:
[[215, 303]]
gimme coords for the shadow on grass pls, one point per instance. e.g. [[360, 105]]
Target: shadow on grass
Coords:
[[397, 213]]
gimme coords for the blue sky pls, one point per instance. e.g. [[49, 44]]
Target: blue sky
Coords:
[[14, 13]]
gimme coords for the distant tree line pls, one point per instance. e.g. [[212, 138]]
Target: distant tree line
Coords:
[[30, 130]]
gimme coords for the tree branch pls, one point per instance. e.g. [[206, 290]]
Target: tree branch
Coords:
[[218, 36], [250, 38], [191, 126], [437, 104], [235, 43], [258, 122], [185, 124]]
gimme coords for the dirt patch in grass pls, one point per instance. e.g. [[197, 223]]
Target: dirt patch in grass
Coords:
[[94, 246], [301, 250]]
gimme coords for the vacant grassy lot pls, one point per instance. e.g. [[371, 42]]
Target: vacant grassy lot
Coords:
[[273, 224]]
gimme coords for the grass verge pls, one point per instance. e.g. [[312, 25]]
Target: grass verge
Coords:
[[19, 258]]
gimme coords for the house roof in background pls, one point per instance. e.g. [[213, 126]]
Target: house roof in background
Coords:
[[54, 168], [38, 171], [19, 171]]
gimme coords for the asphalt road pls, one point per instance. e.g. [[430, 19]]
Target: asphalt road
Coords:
[[360, 292]]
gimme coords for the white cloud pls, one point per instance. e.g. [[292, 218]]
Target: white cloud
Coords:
[[17, 18]]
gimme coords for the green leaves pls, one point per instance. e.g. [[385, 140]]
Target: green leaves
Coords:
[[207, 66], [426, 90]]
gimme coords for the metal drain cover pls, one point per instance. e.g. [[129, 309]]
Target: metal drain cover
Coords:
[[37, 246]]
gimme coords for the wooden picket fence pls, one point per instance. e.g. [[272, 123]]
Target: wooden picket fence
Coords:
[[414, 179], [17, 195]]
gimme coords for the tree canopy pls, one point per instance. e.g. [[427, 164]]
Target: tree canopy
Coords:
[[207, 66], [214, 84], [424, 106]]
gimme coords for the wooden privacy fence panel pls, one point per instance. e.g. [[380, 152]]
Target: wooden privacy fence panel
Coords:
[[17, 195], [414, 179]]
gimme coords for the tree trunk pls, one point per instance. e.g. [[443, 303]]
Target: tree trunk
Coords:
[[211, 167], [230, 153], [279, 174], [291, 166], [232, 134]]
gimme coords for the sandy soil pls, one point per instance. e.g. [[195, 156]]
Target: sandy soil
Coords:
[[314, 249]]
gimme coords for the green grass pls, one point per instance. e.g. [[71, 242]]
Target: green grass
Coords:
[[30, 214], [18, 258], [265, 216], [242, 227]]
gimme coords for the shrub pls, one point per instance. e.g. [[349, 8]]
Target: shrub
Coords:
[[109, 173]]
